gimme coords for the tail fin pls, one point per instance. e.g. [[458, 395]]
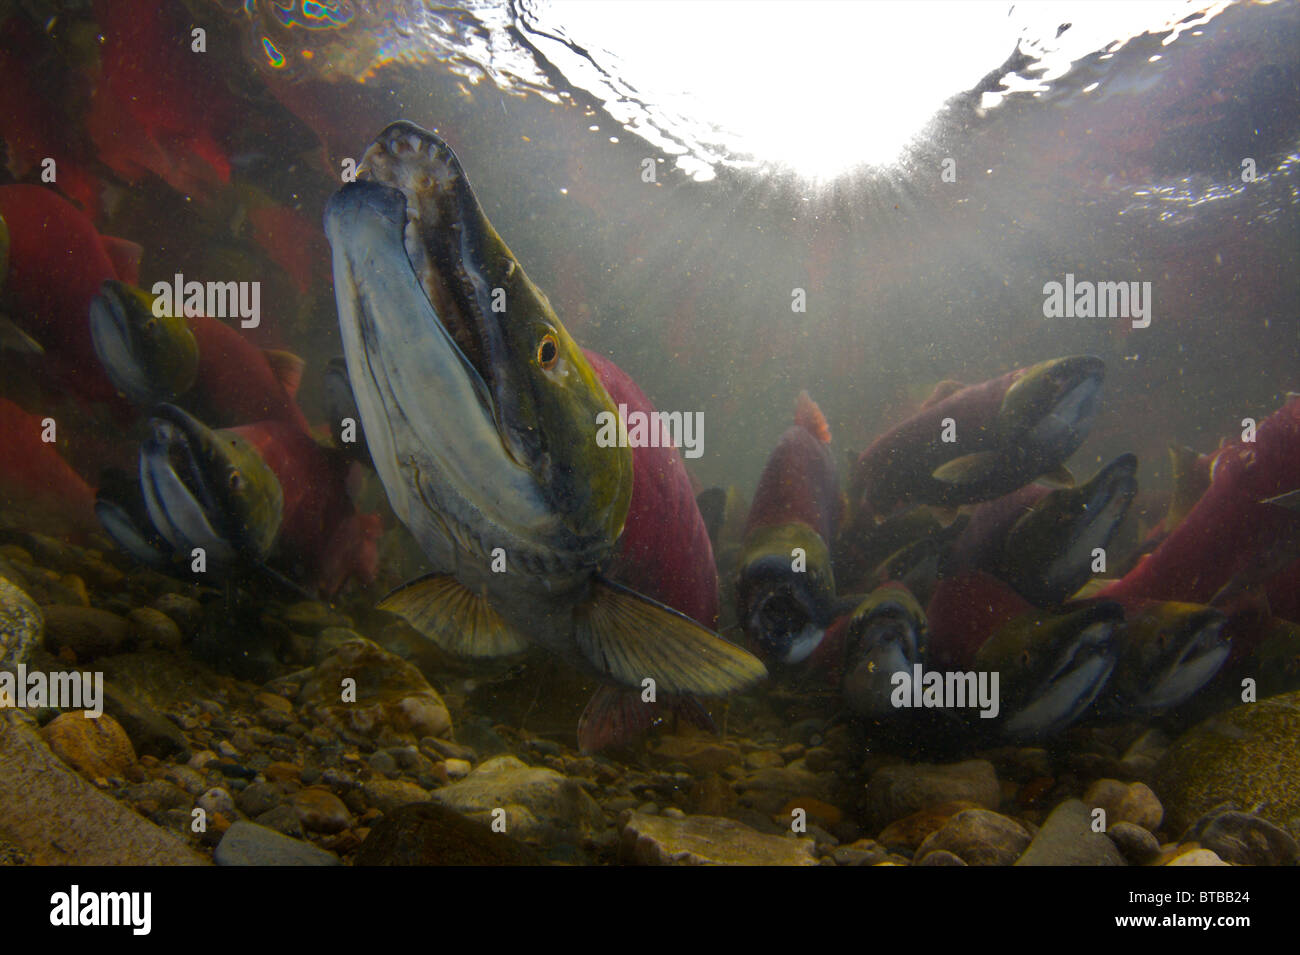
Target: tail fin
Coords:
[[809, 417]]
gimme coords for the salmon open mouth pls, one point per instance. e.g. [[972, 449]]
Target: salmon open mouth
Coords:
[[443, 234]]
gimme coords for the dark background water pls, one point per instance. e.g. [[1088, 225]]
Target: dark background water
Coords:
[[688, 284]]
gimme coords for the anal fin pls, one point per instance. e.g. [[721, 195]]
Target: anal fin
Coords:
[[454, 617], [629, 637], [968, 469]]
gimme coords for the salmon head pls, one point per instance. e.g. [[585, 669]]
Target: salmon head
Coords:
[[481, 412], [150, 358]]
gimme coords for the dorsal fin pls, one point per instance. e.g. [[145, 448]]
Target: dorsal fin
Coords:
[[941, 391], [287, 368], [809, 417]]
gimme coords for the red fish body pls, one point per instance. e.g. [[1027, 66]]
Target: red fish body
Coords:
[[979, 544], [664, 551], [799, 483], [1231, 533], [880, 479], [33, 475], [57, 263], [236, 384], [319, 527], [964, 612]]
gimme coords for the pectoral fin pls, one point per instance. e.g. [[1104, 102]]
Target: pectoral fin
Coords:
[[454, 617], [968, 469], [1060, 478], [630, 637], [14, 339], [1290, 500]]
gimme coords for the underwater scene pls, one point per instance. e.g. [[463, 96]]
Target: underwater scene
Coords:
[[568, 433]]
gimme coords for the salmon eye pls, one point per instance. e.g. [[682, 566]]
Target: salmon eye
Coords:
[[547, 352], [236, 481]]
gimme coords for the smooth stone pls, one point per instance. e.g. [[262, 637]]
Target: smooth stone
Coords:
[[438, 749], [154, 626], [247, 843], [320, 810], [185, 612], [258, 798], [283, 818], [57, 818], [762, 759], [383, 762], [1126, 802], [707, 840], [151, 733], [910, 831], [392, 697], [390, 794], [770, 788], [940, 857], [157, 795], [1246, 756], [217, 800], [87, 632], [1141, 757], [1197, 857], [96, 747], [330, 639], [899, 790], [1241, 838], [978, 837], [458, 768], [816, 809], [1067, 838], [430, 834], [863, 852], [699, 754], [1136, 844], [22, 625], [548, 797], [188, 779], [279, 772]]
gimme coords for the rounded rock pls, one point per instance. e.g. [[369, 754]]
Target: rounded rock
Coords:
[[1136, 844], [21, 625], [97, 747], [154, 626], [320, 810]]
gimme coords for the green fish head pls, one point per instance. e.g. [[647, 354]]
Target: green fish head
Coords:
[[1048, 553], [151, 359], [209, 489], [1051, 406], [887, 634], [785, 592], [1170, 650], [482, 413], [1051, 668]]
